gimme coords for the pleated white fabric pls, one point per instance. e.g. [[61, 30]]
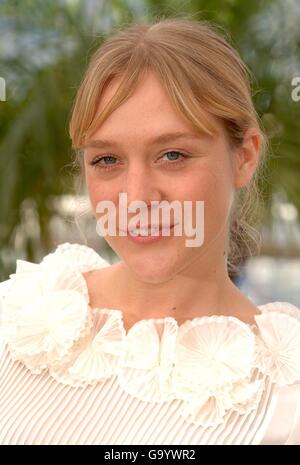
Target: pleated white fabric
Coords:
[[41, 408]]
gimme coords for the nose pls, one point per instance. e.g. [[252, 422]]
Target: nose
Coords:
[[141, 184]]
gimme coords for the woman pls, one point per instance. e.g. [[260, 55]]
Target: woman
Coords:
[[161, 347]]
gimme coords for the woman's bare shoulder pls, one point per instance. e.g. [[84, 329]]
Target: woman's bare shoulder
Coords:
[[101, 284]]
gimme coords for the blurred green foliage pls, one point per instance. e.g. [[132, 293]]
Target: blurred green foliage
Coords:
[[44, 49]]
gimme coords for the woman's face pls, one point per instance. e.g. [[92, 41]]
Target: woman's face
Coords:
[[199, 167]]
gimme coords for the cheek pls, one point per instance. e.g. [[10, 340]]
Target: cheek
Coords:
[[218, 198], [206, 184], [214, 188], [97, 190]]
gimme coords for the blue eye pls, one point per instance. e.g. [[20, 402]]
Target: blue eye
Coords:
[[173, 152], [106, 157], [173, 158], [109, 158], [104, 166]]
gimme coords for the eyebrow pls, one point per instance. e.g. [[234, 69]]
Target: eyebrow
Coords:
[[161, 139]]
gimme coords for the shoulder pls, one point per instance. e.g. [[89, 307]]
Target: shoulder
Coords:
[[278, 341], [44, 307], [59, 270]]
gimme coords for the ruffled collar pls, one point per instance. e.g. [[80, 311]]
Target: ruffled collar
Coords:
[[213, 365]]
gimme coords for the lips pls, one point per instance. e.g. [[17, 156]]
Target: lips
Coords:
[[149, 227]]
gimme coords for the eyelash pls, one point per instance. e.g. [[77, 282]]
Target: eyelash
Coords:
[[96, 162]]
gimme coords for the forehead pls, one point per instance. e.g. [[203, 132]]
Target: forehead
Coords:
[[147, 113], [149, 89], [148, 104]]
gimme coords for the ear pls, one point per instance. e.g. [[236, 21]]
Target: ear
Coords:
[[247, 157]]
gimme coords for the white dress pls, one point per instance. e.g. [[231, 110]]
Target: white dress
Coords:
[[70, 374]]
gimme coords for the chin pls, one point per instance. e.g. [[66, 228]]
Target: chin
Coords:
[[150, 267]]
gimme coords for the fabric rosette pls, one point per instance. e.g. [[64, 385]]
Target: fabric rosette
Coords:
[[278, 342], [148, 360], [96, 357], [44, 312], [214, 369], [47, 321]]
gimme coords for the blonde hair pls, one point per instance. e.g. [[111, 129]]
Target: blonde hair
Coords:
[[203, 75]]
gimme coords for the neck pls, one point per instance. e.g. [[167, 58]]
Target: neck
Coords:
[[202, 288]]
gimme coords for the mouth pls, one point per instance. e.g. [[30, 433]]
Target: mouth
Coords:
[[149, 230]]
